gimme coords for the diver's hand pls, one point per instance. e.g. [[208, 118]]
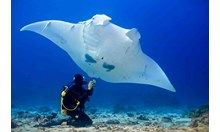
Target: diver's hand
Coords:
[[91, 84]]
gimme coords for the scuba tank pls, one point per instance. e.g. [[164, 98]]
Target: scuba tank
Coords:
[[65, 109]]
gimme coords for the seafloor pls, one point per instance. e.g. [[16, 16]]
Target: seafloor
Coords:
[[116, 118]]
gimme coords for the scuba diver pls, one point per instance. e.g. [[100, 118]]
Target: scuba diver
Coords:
[[73, 99]]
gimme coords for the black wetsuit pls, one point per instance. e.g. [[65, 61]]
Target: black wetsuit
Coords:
[[77, 92]]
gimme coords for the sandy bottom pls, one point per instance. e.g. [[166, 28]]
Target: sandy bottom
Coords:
[[118, 118]]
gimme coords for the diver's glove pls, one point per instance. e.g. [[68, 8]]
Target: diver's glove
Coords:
[[64, 91], [91, 84]]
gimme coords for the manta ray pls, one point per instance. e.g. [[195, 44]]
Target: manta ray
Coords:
[[104, 50]]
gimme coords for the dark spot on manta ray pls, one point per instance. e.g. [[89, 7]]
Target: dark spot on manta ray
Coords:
[[89, 59], [108, 66]]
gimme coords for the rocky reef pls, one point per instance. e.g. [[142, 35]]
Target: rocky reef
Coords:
[[117, 119], [199, 116]]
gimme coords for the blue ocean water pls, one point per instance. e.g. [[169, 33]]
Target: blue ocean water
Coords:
[[173, 33]]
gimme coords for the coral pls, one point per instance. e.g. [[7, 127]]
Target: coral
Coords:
[[52, 116], [13, 124], [199, 111], [142, 117], [130, 114], [166, 119], [132, 123], [200, 116], [112, 121]]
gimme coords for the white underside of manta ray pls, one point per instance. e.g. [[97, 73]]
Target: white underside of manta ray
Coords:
[[104, 50]]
